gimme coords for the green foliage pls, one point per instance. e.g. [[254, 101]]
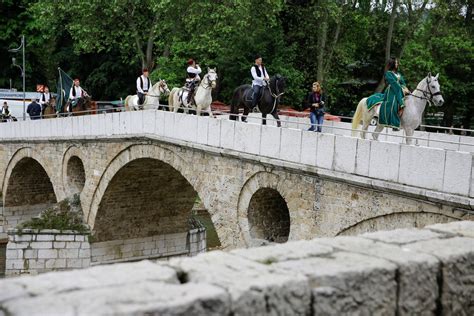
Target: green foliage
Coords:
[[106, 43], [66, 215]]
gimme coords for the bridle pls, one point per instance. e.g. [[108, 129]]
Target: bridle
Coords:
[[161, 89], [209, 82], [276, 95], [427, 95]]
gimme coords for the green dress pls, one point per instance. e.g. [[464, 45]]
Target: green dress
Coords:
[[391, 100]]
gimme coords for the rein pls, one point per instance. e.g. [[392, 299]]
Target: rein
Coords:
[[157, 95], [275, 96], [209, 82], [426, 96]]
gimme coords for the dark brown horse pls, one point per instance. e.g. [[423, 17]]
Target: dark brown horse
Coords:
[[84, 106], [49, 110], [267, 103]]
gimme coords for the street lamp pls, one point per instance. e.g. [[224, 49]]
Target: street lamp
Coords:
[[16, 50]]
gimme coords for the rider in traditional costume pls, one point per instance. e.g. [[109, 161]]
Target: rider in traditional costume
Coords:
[[260, 77], [44, 98], [192, 78], [392, 100], [143, 85], [76, 94]]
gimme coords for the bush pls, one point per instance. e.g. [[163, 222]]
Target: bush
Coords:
[[65, 215]]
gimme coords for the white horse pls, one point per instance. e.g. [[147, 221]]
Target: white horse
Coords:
[[152, 99], [428, 90], [202, 97]]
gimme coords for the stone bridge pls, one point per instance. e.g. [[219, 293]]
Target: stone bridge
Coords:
[[139, 175]]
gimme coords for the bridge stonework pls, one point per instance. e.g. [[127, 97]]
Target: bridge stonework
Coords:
[[134, 187]]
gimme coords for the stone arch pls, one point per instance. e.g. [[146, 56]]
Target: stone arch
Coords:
[[264, 189], [28, 187], [268, 216], [146, 157], [395, 221], [74, 172]]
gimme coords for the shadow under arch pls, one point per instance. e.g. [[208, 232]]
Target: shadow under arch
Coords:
[[28, 189], [262, 209]]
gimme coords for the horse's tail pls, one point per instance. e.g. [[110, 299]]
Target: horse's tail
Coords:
[[171, 99], [127, 107], [357, 117], [234, 104]]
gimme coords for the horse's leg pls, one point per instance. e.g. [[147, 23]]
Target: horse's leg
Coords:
[[264, 118], [245, 114], [377, 131], [277, 118], [409, 134]]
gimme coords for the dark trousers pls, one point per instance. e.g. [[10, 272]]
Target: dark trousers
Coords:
[[256, 95], [141, 98]]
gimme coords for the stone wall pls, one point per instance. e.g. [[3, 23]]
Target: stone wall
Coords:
[[37, 251], [3, 253], [403, 272], [153, 247]]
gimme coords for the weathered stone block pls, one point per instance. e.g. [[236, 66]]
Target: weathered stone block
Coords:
[[59, 244], [44, 237], [145, 298], [290, 144], [325, 151], [41, 244], [380, 153], [417, 272], [457, 172], [463, 228], [64, 237], [348, 283], [73, 245], [457, 257], [254, 288], [68, 253], [345, 153], [270, 142], [402, 236], [47, 253], [55, 263]]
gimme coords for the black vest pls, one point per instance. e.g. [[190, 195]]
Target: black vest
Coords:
[[74, 91], [191, 75], [141, 83], [259, 73]]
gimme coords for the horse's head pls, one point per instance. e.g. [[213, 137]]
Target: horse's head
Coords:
[[163, 86], [212, 77], [278, 83], [433, 88]]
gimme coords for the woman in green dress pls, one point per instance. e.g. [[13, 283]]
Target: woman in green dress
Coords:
[[393, 102]]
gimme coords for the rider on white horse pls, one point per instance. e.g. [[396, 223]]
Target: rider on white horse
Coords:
[[143, 85], [192, 79]]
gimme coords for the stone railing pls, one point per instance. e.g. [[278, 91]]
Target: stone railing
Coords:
[[426, 139], [401, 272], [32, 251], [423, 171]]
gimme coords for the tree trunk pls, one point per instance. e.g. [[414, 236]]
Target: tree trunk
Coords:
[[322, 37], [388, 42]]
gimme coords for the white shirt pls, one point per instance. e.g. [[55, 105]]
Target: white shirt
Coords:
[[46, 96], [196, 71], [145, 84], [78, 92], [258, 81]]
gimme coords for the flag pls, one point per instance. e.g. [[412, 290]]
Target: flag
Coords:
[[63, 87]]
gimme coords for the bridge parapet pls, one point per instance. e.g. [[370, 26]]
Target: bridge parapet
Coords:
[[422, 170], [400, 272]]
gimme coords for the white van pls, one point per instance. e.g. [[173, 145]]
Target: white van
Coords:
[[14, 100]]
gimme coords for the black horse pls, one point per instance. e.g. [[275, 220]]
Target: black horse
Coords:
[[267, 103]]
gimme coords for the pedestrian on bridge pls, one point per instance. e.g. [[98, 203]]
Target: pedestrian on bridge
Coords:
[[34, 110], [315, 102]]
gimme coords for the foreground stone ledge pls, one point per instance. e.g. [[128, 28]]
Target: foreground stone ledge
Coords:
[[403, 272]]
